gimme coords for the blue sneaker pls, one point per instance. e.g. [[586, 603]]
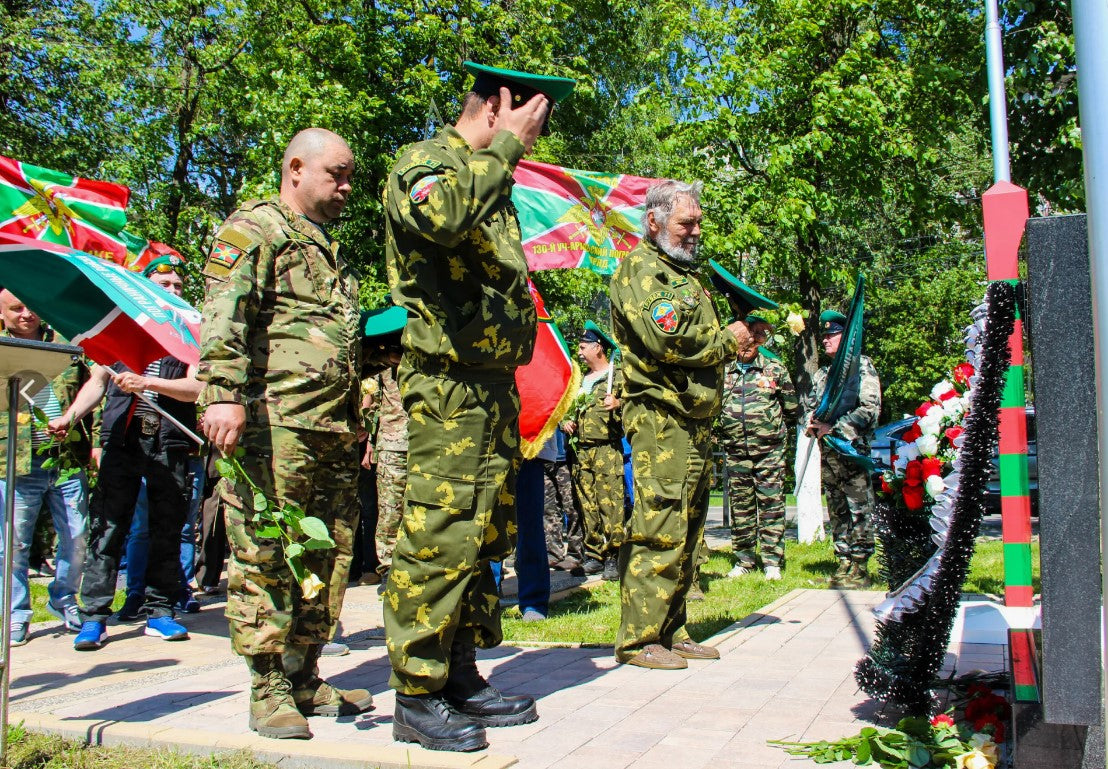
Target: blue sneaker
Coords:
[[92, 636], [166, 628], [132, 609]]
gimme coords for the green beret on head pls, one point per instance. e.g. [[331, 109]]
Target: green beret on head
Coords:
[[383, 321], [523, 85], [831, 322], [172, 262], [593, 333], [754, 317], [740, 296]]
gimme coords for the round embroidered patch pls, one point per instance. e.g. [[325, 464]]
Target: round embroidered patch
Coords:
[[664, 314], [422, 188]]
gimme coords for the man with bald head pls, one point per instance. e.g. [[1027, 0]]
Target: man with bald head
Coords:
[[280, 361]]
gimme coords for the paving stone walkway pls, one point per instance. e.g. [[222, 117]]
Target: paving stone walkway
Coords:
[[785, 673]]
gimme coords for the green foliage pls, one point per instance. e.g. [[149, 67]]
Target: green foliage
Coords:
[[67, 463]]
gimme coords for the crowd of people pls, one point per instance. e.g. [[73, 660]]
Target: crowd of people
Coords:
[[398, 429]]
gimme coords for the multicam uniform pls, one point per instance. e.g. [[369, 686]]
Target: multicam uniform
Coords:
[[846, 484], [280, 336], [561, 518], [598, 469], [673, 354], [759, 402], [390, 447], [455, 263]]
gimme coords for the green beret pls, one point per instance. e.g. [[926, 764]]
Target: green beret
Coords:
[[171, 262], [754, 317], [593, 333], [768, 353], [523, 85], [741, 296], [831, 322], [383, 321]]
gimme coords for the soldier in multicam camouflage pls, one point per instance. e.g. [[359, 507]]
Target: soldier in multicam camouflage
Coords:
[[390, 449], [565, 539], [759, 402], [280, 355], [598, 466], [846, 484], [455, 262], [674, 348]]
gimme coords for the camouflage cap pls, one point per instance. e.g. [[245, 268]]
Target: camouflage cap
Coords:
[[383, 321], [523, 85], [593, 333], [831, 322]]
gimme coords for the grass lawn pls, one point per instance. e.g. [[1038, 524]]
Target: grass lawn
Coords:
[[590, 616]]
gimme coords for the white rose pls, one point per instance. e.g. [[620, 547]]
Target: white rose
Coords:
[[930, 424], [795, 322], [934, 486], [941, 389], [311, 586], [928, 445], [909, 451], [954, 408]]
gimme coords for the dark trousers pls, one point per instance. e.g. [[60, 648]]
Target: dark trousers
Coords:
[[111, 509], [365, 533], [213, 530]]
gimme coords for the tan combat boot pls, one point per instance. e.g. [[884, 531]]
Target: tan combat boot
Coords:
[[858, 576], [272, 710], [842, 573], [314, 696]]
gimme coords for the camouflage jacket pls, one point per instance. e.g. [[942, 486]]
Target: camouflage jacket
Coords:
[[861, 407], [759, 404], [390, 431], [595, 424], [65, 386], [452, 247], [669, 333], [280, 331]]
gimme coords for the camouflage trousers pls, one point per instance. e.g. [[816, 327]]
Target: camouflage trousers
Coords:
[[671, 458], [265, 607], [459, 516], [849, 506], [561, 521], [392, 476], [598, 482], [756, 496]]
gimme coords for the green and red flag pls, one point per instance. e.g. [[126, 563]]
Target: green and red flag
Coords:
[[571, 218], [113, 313], [55, 207], [547, 385], [140, 251]]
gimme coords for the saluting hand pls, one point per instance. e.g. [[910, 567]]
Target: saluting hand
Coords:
[[742, 333], [526, 121]]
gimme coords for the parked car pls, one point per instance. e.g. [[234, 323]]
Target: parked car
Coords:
[[885, 438]]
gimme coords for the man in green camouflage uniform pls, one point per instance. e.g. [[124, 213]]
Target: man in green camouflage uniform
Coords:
[[759, 402], [673, 348], [456, 264], [280, 353], [390, 450], [598, 466], [846, 484]]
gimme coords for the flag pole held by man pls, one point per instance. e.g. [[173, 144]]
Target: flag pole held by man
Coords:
[[456, 264]]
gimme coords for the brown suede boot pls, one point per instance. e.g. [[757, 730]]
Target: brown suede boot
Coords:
[[314, 696], [273, 712]]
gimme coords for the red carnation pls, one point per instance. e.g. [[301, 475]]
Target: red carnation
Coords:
[[931, 466], [913, 497], [942, 720], [912, 433], [962, 373], [953, 432]]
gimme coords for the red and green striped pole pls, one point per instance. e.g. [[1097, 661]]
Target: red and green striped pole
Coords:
[[1005, 215]]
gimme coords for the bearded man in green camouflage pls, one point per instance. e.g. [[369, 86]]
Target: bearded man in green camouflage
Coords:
[[845, 483], [280, 355], [456, 264], [759, 402], [673, 348]]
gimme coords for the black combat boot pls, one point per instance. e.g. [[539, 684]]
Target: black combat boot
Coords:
[[611, 569], [428, 719], [472, 695]]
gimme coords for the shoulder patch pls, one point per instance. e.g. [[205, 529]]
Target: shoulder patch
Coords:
[[420, 162], [228, 250], [664, 315], [421, 190]]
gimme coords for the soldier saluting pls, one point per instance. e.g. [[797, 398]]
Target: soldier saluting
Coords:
[[456, 264]]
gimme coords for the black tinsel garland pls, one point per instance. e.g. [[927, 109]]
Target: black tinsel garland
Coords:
[[904, 539], [906, 655]]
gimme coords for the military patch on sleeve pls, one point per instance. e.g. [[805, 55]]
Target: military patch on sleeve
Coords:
[[664, 315], [230, 246], [422, 188]]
